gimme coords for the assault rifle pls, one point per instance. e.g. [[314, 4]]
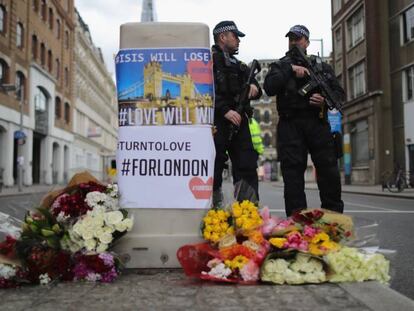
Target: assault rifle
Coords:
[[317, 80], [243, 98]]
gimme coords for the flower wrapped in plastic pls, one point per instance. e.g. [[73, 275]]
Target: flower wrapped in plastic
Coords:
[[236, 246], [67, 238], [296, 268], [352, 265]]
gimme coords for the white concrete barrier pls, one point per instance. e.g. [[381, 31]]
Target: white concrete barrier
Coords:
[[158, 233]]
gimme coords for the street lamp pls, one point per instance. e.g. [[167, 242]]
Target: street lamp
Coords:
[[6, 88], [321, 40]]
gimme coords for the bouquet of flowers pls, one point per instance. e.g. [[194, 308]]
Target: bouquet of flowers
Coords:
[[245, 245], [235, 246], [309, 247], [68, 237]]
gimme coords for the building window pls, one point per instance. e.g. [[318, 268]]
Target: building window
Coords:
[[35, 5], [356, 28], [51, 18], [44, 10], [66, 76], [40, 100], [19, 35], [338, 42], [66, 39], [20, 85], [357, 80], [409, 84], [3, 19], [267, 140], [67, 112], [50, 61], [340, 80], [337, 4], [408, 24], [4, 72], [42, 54], [359, 143], [266, 117], [58, 28], [58, 108], [34, 47], [57, 68], [256, 115]]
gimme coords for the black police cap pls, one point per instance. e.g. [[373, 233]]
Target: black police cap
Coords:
[[299, 31], [225, 26]]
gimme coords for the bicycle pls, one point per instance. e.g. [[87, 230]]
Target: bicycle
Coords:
[[397, 181]]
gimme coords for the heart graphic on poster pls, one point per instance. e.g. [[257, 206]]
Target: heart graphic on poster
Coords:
[[200, 189], [200, 72]]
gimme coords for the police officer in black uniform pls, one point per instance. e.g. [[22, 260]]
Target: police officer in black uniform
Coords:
[[229, 76], [303, 128]]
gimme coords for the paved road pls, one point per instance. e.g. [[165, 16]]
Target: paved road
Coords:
[[395, 218]]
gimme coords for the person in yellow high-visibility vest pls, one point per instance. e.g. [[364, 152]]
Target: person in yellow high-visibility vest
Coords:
[[255, 132]]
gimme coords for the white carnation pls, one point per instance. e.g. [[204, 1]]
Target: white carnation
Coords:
[[113, 190], [44, 279], [95, 198], [111, 204], [220, 271], [7, 271]]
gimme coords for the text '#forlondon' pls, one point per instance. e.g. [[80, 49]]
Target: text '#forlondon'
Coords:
[[164, 167]]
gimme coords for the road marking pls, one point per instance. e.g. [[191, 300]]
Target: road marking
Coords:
[[358, 211], [367, 206]]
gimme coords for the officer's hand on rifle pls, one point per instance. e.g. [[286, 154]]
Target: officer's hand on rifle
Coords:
[[317, 100], [253, 91], [233, 117], [300, 71]]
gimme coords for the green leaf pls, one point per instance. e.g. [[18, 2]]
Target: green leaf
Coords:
[[47, 233], [56, 228]]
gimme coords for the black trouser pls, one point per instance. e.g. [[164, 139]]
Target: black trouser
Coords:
[[242, 155], [298, 136]]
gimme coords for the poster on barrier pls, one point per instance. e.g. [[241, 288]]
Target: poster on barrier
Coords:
[[165, 86], [165, 155], [159, 169]]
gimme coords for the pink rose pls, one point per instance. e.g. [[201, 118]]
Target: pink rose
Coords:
[[250, 271], [269, 222]]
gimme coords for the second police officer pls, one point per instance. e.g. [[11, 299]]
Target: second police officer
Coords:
[[230, 75], [303, 127]]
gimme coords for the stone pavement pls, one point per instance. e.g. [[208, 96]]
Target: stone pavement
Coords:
[[171, 290], [12, 191], [361, 189]]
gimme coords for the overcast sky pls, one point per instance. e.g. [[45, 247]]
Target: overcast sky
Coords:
[[265, 22]]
